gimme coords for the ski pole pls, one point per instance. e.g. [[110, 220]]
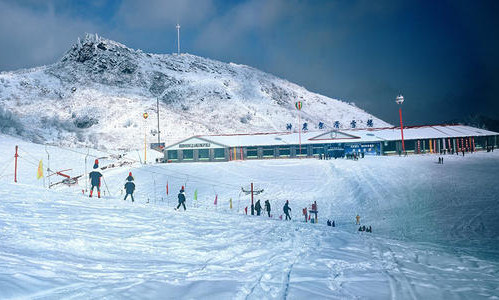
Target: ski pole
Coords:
[[106, 186]]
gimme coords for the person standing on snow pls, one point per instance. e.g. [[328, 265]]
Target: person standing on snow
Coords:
[[286, 210], [94, 178], [358, 220], [267, 207], [258, 207], [129, 186], [181, 198]]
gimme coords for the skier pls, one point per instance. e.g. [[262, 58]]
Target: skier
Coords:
[[328, 223], [314, 210], [267, 207], [94, 178], [305, 214], [358, 220], [129, 187], [258, 207], [333, 224], [181, 198], [286, 210]]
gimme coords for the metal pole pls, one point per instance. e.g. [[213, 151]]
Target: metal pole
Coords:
[[48, 165], [178, 39], [15, 168], [158, 122], [299, 129], [145, 143], [401, 129], [252, 207], [86, 176]]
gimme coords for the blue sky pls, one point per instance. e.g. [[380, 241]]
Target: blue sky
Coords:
[[441, 55]]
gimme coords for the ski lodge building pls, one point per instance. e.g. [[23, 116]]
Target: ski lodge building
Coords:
[[334, 143]]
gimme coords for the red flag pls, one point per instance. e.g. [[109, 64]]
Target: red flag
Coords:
[[246, 210], [216, 197], [167, 188]]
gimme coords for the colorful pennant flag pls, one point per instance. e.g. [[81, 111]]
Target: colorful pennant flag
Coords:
[[216, 198], [196, 194], [39, 174]]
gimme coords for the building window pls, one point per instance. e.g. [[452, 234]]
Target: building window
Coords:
[[188, 154], [172, 155], [318, 150], [204, 154], [252, 152], [268, 151], [284, 151], [219, 153]]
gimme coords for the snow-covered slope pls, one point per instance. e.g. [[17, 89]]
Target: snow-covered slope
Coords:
[[96, 95], [434, 230]]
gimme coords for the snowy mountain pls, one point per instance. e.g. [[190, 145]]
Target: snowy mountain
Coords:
[[98, 91]]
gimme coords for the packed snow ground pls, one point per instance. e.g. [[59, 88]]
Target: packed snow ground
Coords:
[[433, 225]]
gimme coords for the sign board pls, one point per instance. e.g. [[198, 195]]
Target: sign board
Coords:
[[195, 143], [157, 146], [367, 148]]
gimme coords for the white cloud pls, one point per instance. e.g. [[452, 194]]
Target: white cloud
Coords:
[[32, 37]]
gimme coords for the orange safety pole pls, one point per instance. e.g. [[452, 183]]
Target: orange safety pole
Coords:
[[15, 168]]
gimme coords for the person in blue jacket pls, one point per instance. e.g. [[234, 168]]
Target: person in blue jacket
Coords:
[[286, 210], [129, 186], [95, 177], [181, 198]]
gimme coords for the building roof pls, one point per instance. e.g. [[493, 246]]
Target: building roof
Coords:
[[360, 135]]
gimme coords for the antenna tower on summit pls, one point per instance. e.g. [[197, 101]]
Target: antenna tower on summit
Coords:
[[178, 39]]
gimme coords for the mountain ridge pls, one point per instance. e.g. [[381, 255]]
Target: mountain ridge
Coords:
[[96, 93]]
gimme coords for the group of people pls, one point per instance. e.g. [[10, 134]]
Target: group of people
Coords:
[[96, 175], [258, 207], [366, 229]]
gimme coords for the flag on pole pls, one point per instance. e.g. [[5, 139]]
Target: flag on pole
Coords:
[[230, 203], [167, 188], [39, 174], [216, 198], [196, 195]]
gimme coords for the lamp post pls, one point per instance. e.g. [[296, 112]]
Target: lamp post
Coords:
[[298, 106], [145, 115], [399, 100]]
